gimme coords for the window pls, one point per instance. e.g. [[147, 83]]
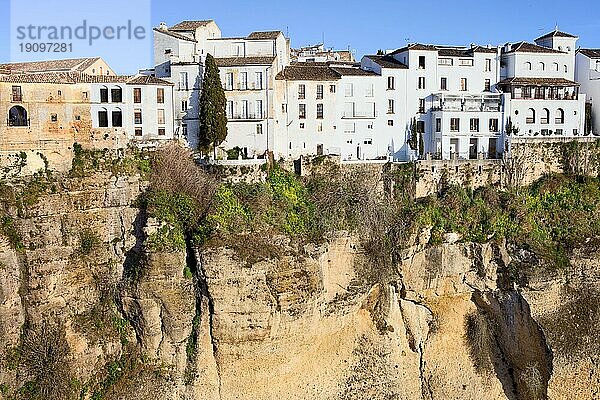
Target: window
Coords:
[[474, 124], [542, 66], [488, 64], [137, 95], [244, 110], [545, 117], [138, 131], [391, 83], [421, 82], [530, 116], [370, 125], [103, 119], [493, 125], [556, 67], [229, 109], [54, 117], [420, 126], [117, 119], [444, 84], [487, 86], [162, 132], [259, 80], [390, 106], [466, 62], [301, 91], [368, 141], [566, 69], [331, 88], [78, 118], [168, 51], [438, 124], [85, 95], [259, 129], [184, 130], [528, 66], [229, 81], [17, 95], [302, 111], [259, 109], [445, 61], [319, 111], [160, 117], [390, 122], [183, 80], [560, 116], [243, 81], [463, 84], [422, 106], [59, 93], [454, 124], [104, 95], [137, 117], [184, 105], [421, 62], [319, 92], [160, 96], [369, 90], [349, 92], [302, 125], [116, 95]]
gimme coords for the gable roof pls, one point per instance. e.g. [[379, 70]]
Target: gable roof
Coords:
[[591, 53], [264, 35], [174, 34], [76, 77], [387, 62], [538, 82], [239, 61], [525, 47], [556, 33], [190, 25], [415, 46], [73, 64]]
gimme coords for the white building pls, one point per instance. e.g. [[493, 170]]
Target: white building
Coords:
[[248, 66], [587, 74], [319, 53], [542, 99]]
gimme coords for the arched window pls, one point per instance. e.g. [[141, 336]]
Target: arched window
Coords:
[[542, 66], [101, 71], [545, 117], [566, 69], [117, 118], [103, 118], [528, 66], [560, 116], [17, 116], [556, 67], [530, 116]]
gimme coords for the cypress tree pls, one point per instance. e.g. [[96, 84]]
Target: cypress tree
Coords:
[[213, 116]]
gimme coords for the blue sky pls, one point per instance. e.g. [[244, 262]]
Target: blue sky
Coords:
[[367, 26]]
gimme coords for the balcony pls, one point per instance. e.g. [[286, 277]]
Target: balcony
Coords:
[[467, 103], [360, 115], [247, 117]]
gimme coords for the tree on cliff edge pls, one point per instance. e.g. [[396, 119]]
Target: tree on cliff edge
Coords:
[[213, 118]]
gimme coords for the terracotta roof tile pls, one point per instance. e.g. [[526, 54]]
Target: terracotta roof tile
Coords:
[[556, 33], [387, 62], [174, 34], [190, 25], [591, 53], [75, 77], [308, 72], [74, 64], [347, 71], [524, 47], [538, 82], [240, 61], [264, 35]]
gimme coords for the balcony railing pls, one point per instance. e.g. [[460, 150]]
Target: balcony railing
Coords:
[[360, 114], [17, 98], [247, 117]]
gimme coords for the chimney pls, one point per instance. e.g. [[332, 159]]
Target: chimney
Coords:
[[163, 26]]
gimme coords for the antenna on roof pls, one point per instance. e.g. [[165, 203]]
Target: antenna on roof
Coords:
[[556, 27], [323, 38], [407, 39]]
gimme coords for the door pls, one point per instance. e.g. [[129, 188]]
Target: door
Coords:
[[493, 149], [473, 149], [454, 143], [319, 149]]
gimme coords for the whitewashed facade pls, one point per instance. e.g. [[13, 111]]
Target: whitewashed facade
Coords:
[[587, 74]]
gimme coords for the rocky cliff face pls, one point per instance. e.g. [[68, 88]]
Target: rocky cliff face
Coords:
[[89, 310]]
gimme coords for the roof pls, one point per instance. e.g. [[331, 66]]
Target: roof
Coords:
[[190, 25], [239, 61], [73, 64], [538, 82], [75, 77], [174, 34], [448, 51], [415, 46], [556, 33], [387, 62], [349, 71], [308, 72], [524, 47], [591, 53], [264, 35]]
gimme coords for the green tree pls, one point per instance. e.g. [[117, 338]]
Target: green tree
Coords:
[[213, 118], [413, 140], [421, 145]]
